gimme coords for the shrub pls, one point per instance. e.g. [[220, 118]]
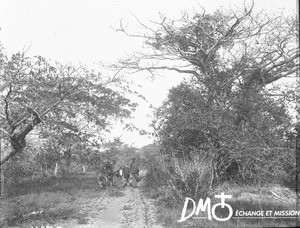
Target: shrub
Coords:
[[174, 179]]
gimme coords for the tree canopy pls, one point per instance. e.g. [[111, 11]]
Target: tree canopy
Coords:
[[223, 49], [61, 99]]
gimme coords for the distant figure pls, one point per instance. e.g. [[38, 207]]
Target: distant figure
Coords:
[[124, 173], [102, 180], [134, 170], [109, 170], [134, 167]]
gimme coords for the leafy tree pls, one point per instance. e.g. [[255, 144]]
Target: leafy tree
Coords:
[[187, 126], [121, 152], [149, 152], [36, 94]]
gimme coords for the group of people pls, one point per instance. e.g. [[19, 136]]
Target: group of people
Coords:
[[123, 172]]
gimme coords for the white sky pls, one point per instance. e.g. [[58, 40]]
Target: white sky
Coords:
[[81, 32]]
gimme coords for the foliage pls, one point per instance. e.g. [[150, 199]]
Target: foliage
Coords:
[[63, 98], [188, 125], [64, 110], [148, 154], [121, 153]]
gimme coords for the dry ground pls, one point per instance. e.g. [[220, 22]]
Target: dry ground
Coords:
[[128, 211], [76, 202]]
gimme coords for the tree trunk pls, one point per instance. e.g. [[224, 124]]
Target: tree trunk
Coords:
[[56, 169], [2, 178], [17, 140], [2, 185]]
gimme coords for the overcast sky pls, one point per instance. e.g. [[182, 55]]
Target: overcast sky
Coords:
[[81, 32]]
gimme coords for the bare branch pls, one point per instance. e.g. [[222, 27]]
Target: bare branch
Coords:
[[121, 29], [4, 131], [6, 104]]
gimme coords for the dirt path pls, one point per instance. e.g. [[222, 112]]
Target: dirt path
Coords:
[[128, 211]]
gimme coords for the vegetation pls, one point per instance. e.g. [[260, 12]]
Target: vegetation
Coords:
[[230, 121], [53, 115], [228, 126], [53, 201]]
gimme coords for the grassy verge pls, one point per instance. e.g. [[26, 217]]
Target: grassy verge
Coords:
[[44, 203]]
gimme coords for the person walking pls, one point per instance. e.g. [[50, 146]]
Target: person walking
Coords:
[[109, 170], [134, 171]]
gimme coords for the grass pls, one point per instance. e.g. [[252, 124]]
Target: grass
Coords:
[[52, 201], [34, 203], [67, 184]]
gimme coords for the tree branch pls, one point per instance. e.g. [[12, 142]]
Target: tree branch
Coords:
[[6, 104]]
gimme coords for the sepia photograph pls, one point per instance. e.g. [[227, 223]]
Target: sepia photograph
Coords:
[[149, 114]]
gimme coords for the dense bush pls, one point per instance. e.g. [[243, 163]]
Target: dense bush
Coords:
[[202, 145]]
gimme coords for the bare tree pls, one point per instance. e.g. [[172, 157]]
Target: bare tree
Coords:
[[251, 48]]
